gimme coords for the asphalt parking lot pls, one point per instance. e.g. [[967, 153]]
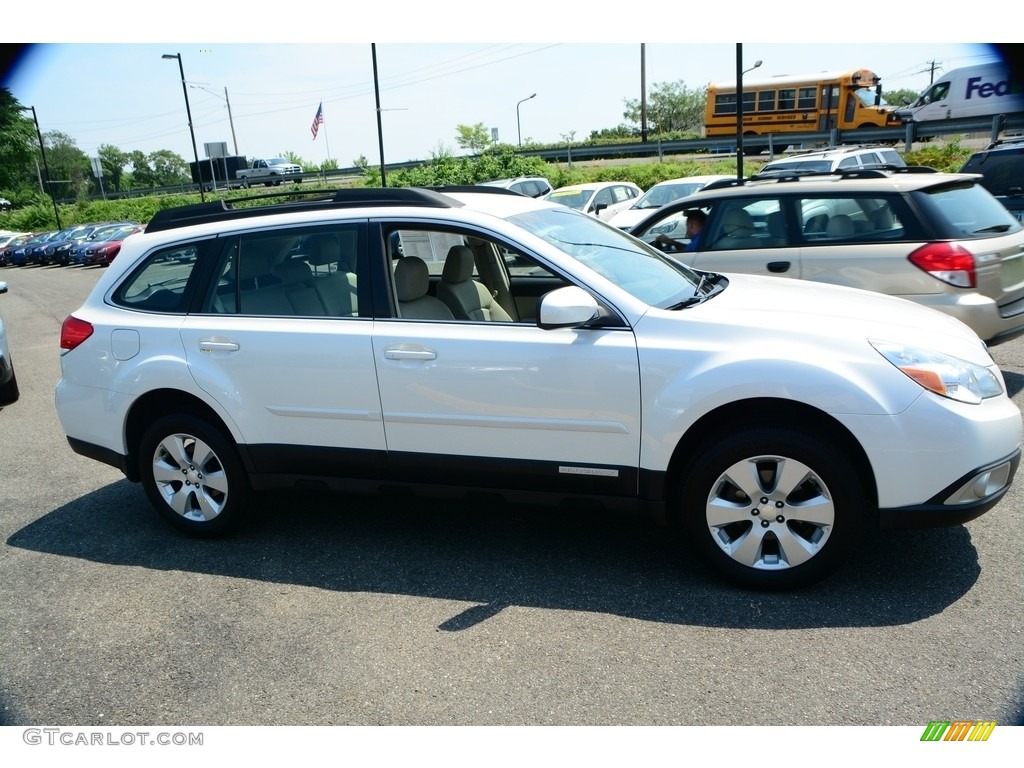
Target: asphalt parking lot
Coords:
[[365, 610]]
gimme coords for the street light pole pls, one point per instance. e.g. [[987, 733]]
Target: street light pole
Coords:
[[518, 129], [380, 127], [188, 111], [46, 168], [739, 107]]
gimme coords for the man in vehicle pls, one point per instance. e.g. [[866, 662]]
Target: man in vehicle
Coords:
[[695, 220]]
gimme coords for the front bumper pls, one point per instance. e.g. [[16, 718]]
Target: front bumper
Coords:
[[968, 498]]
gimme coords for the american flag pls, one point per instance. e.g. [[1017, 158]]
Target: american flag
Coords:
[[318, 120]]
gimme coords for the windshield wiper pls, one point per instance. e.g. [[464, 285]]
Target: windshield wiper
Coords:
[[993, 228], [710, 279]]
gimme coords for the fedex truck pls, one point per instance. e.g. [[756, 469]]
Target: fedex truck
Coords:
[[976, 91]]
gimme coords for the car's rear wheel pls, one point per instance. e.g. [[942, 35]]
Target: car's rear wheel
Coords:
[[772, 507], [192, 475]]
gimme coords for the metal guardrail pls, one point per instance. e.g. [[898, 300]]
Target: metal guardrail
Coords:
[[906, 134]]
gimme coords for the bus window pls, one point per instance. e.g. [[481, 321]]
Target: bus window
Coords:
[[807, 98]]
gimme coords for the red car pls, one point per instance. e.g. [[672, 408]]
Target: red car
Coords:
[[103, 252]]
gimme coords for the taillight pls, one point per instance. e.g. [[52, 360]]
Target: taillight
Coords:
[[73, 332], [948, 262]]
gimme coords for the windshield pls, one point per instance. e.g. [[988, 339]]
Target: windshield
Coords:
[[867, 97], [574, 198], [664, 194], [635, 267], [822, 166]]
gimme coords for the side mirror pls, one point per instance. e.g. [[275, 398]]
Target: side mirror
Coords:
[[3, 287], [569, 307]]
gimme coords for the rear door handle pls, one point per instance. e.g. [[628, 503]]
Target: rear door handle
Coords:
[[217, 345], [779, 266]]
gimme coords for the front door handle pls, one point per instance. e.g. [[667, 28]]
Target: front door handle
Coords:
[[404, 353], [779, 266], [217, 345]]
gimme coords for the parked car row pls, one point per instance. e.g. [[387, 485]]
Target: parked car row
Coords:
[[83, 244]]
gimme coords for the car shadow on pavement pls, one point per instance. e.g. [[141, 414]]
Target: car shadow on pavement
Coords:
[[1014, 382], [496, 555]]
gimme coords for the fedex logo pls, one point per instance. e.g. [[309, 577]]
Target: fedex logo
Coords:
[[985, 90]]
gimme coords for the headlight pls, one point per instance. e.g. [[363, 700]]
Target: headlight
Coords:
[[940, 373]]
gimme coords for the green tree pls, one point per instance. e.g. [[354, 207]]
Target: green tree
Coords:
[[70, 168], [901, 97], [670, 107], [620, 133], [143, 176], [168, 168], [114, 162], [18, 145], [475, 138]]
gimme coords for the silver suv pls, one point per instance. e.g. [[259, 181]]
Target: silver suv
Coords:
[[939, 239], [835, 159]]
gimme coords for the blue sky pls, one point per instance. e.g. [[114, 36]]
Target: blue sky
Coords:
[[105, 91]]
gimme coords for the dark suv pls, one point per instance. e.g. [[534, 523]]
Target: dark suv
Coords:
[[1001, 165]]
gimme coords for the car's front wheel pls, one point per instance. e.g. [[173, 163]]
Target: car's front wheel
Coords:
[[192, 475], [9, 392], [772, 507]]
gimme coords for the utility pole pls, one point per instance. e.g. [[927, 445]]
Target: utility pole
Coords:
[[231, 120], [643, 93], [46, 168]]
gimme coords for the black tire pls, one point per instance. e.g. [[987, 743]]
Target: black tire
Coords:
[[772, 507], [9, 392], [192, 475]]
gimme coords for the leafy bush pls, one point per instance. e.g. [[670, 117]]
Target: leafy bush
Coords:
[[949, 156]]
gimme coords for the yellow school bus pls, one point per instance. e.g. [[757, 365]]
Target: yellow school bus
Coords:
[[800, 104]]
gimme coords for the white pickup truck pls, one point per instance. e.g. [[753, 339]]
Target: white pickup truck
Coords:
[[269, 171]]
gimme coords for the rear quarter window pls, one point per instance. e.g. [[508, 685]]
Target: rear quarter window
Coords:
[[162, 282]]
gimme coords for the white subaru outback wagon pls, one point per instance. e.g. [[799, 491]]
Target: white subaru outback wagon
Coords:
[[477, 339]]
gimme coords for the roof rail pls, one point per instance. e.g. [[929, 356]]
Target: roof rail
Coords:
[[225, 210], [476, 189], [722, 183], [875, 171]]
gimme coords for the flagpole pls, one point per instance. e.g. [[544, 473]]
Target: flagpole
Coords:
[[327, 144]]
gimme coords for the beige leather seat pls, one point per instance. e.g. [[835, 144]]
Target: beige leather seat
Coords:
[[412, 282], [882, 218], [737, 231], [776, 228], [466, 298], [840, 227], [336, 288], [297, 284]]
